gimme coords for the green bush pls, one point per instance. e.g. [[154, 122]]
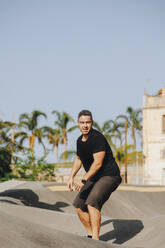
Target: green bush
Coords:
[[40, 170], [5, 159]]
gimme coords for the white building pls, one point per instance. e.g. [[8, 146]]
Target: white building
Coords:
[[154, 138]]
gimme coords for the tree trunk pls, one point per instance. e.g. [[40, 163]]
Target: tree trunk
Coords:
[[126, 151], [13, 141], [56, 147], [31, 143], [133, 136], [136, 159], [65, 142], [119, 163]]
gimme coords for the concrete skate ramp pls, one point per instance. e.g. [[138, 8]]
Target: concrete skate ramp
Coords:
[[34, 216]]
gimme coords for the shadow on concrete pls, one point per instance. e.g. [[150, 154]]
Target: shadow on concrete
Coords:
[[29, 198], [8, 201], [123, 230]]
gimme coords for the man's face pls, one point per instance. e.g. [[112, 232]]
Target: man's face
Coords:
[[85, 124]]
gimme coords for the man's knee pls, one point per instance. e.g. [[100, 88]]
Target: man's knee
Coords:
[[93, 208], [79, 210]]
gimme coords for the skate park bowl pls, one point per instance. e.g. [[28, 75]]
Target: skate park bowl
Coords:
[[37, 214]]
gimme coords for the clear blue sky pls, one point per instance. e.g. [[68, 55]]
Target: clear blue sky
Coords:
[[70, 54]]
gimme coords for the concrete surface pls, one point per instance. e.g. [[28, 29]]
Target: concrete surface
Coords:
[[34, 214]]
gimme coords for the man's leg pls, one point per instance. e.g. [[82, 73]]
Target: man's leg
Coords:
[[85, 219], [99, 194], [95, 220]]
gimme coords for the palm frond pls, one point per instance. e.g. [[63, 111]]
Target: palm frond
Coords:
[[55, 112], [72, 128], [35, 116], [68, 154], [20, 134], [22, 139], [24, 117], [97, 126]]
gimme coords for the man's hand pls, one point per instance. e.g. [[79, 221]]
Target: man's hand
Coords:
[[70, 184], [78, 186], [76, 166]]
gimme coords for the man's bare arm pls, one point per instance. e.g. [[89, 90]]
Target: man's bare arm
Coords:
[[96, 165], [76, 167]]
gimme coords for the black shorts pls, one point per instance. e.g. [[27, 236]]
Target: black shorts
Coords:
[[96, 193]]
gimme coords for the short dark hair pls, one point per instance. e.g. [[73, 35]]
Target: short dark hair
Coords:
[[85, 112]]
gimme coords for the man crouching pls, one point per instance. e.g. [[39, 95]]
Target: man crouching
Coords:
[[102, 174]]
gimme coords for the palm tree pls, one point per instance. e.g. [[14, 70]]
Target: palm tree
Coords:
[[68, 155], [7, 140], [111, 129], [62, 121], [54, 138], [104, 129], [121, 153], [30, 123], [116, 130], [134, 122]]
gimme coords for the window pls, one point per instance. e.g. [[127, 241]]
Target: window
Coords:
[[163, 176], [163, 124], [162, 154]]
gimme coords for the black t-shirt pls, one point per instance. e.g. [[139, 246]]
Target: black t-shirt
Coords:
[[96, 142]]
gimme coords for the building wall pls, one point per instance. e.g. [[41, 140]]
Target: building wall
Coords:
[[154, 139]]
